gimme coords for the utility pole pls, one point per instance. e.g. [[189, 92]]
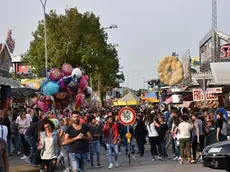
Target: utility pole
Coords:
[[214, 28], [214, 14], [112, 26], [43, 2]]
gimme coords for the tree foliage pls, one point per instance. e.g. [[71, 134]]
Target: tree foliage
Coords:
[[77, 39]]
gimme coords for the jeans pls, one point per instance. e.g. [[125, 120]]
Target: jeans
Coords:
[[164, 149], [78, 161], [65, 154], [25, 144], [109, 150], [1, 169], [177, 150], [9, 145], [32, 143], [171, 141], [94, 147], [16, 143]]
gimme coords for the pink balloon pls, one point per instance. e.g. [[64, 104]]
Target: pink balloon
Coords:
[[55, 74], [83, 83], [40, 104], [45, 108], [86, 77], [67, 69], [35, 100], [79, 100]]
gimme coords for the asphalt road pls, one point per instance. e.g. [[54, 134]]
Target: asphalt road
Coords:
[[143, 164]]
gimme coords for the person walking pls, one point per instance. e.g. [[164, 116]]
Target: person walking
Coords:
[[155, 145], [31, 137], [184, 130], [198, 137], [141, 133], [77, 136], [6, 122], [4, 161], [23, 124], [110, 131], [94, 145], [221, 123], [49, 144], [65, 148]]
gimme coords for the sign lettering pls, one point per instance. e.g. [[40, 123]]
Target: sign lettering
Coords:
[[211, 94], [225, 51]]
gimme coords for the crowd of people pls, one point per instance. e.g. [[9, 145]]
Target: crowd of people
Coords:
[[72, 138]]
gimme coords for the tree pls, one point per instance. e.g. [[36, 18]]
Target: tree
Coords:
[[75, 38]]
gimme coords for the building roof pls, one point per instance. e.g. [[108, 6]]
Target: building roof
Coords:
[[209, 35]]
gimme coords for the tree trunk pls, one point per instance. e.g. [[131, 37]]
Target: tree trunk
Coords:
[[102, 99]]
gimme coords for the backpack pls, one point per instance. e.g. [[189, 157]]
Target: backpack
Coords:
[[224, 129]]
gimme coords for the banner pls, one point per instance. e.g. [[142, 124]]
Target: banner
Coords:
[[211, 94]]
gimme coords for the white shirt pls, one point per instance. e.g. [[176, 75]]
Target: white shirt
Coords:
[[29, 117], [49, 149], [152, 130], [3, 132], [184, 130], [23, 124]]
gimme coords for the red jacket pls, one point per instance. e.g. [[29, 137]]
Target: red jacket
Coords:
[[115, 131]]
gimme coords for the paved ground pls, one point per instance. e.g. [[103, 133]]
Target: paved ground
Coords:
[[143, 164]]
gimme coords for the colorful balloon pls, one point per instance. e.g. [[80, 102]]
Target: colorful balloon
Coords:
[[76, 74], [82, 83], [55, 74], [64, 81], [50, 88], [61, 95], [43, 82], [86, 77], [67, 69], [79, 100], [88, 92], [40, 104]]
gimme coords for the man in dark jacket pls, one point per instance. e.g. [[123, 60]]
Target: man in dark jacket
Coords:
[[140, 135]]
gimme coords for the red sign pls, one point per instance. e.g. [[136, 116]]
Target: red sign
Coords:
[[127, 116], [198, 94], [24, 69]]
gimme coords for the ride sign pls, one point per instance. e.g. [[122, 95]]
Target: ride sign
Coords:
[[127, 116]]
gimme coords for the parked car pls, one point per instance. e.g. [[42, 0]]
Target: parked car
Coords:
[[217, 156]]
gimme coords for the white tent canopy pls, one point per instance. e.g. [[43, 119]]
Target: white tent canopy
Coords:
[[221, 73]]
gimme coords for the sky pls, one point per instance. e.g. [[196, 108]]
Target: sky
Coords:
[[148, 30]]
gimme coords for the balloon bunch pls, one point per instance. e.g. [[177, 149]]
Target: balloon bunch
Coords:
[[45, 103], [63, 83]]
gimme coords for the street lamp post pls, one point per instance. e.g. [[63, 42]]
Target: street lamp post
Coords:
[[43, 2], [112, 26]]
